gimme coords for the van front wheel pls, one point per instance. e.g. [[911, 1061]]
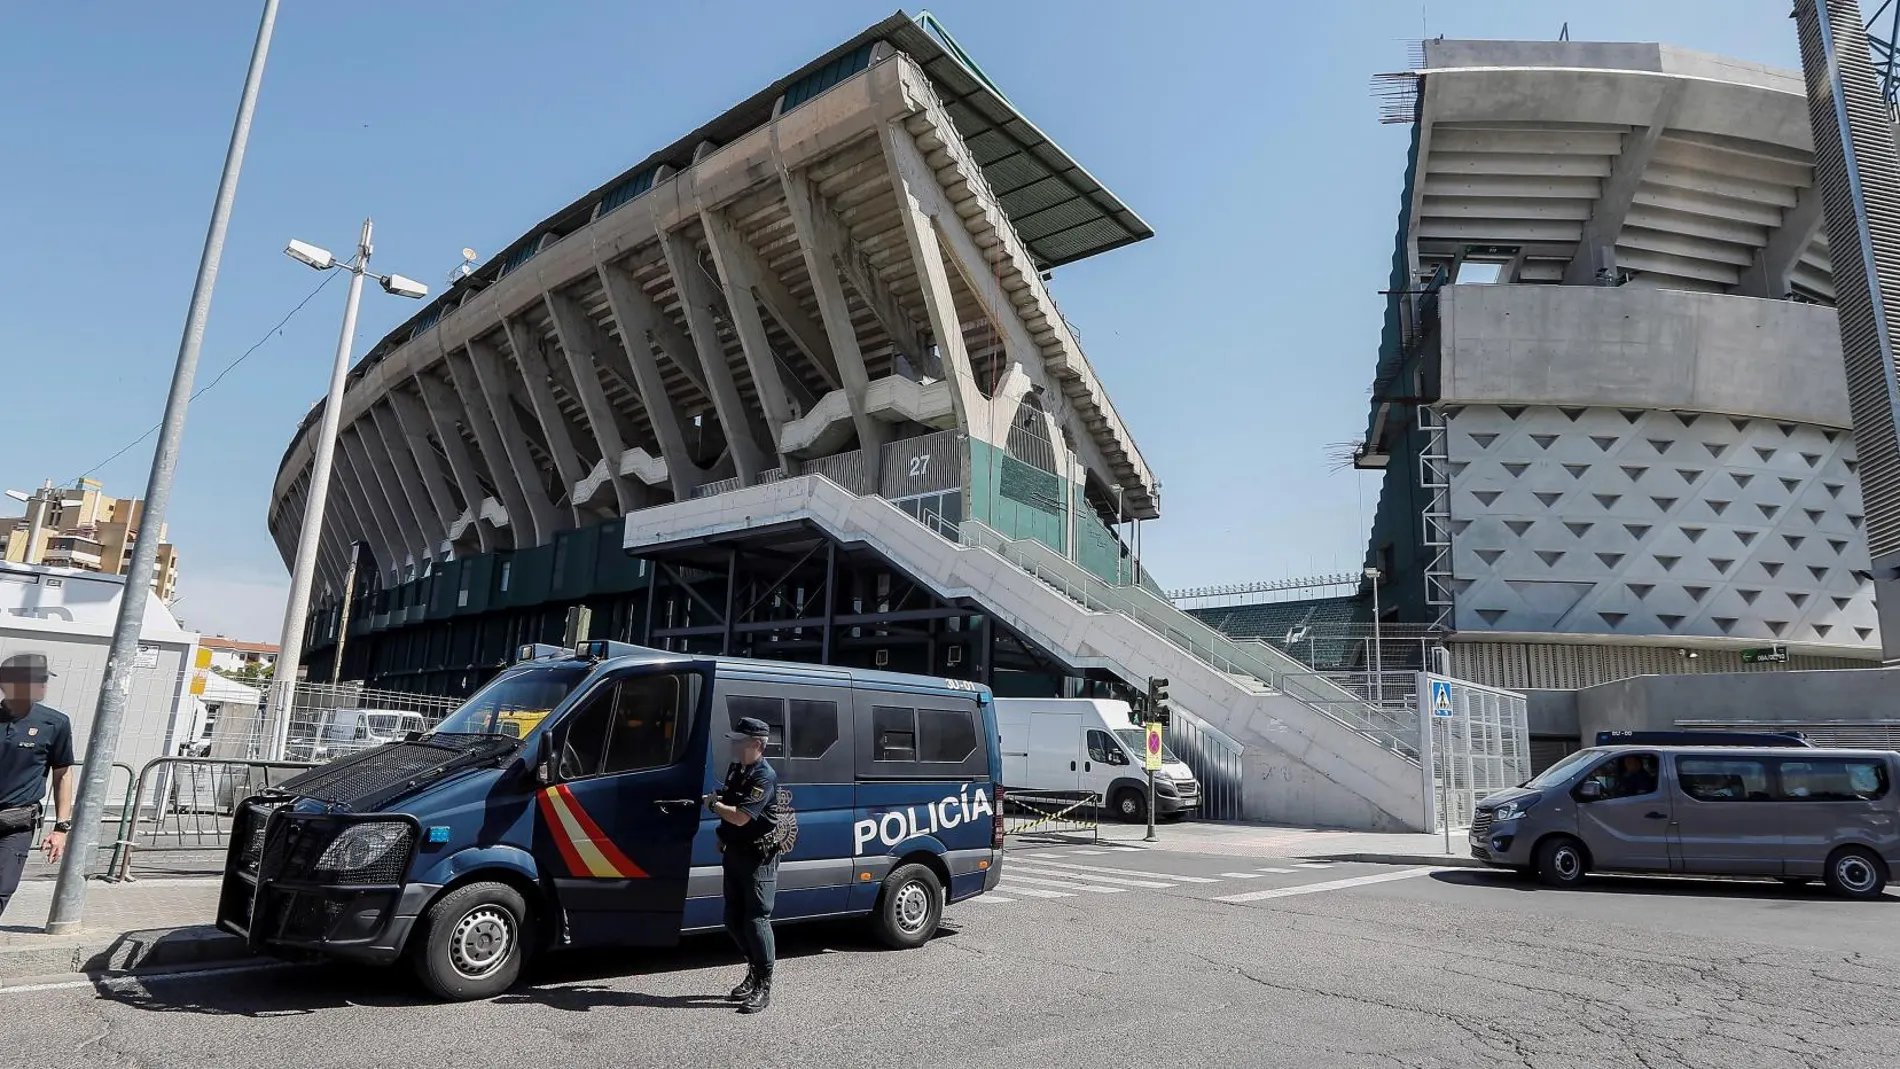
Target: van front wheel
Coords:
[[1856, 872], [472, 942], [1131, 805], [1561, 862], [909, 907]]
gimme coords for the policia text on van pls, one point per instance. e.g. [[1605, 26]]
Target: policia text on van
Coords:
[[560, 807], [1793, 813]]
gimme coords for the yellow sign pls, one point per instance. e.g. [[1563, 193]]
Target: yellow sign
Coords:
[[1154, 748], [197, 683], [516, 723], [204, 657]]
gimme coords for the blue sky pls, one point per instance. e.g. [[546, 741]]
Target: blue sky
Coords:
[[1237, 343]]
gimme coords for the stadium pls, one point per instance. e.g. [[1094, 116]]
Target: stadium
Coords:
[[795, 386]]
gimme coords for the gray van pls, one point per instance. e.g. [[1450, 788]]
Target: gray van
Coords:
[[1788, 814]]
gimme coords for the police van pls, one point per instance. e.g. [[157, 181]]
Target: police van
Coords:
[[559, 807]]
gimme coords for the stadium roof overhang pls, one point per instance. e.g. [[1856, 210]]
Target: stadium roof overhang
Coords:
[[1545, 160]]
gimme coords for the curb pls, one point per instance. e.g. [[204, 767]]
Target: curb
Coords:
[[123, 953], [1439, 860]]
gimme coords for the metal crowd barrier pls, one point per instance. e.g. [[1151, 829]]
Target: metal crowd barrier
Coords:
[[188, 803], [1043, 812]]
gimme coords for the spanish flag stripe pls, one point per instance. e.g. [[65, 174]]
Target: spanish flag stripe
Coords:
[[621, 863], [590, 861], [559, 833]]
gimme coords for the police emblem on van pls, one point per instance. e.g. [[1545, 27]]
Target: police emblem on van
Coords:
[[897, 825]]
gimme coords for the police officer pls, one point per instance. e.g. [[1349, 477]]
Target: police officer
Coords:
[[751, 870], [34, 740]]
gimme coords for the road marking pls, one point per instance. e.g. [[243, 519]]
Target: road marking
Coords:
[[148, 979], [1241, 875], [1116, 880], [1064, 884], [995, 898], [1281, 871], [1128, 850], [1032, 892], [1329, 885], [1314, 865], [1080, 853], [1092, 869]]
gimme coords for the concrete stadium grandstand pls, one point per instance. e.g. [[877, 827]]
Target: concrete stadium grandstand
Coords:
[[1609, 406], [795, 386]]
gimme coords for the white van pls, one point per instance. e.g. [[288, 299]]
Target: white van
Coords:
[[1087, 745]]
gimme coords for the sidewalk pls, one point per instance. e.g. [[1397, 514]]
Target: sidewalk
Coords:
[[1306, 844], [155, 923]]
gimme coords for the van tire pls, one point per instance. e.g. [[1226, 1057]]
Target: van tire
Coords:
[[1856, 872], [1130, 806], [909, 907], [1561, 862], [474, 942]]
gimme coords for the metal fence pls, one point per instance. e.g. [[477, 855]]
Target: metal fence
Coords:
[[1216, 761], [327, 721], [1028, 812], [1477, 742], [187, 804]]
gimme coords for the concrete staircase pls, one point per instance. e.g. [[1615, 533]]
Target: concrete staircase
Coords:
[[1313, 753]]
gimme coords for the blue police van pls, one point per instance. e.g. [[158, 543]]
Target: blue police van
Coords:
[[560, 807]]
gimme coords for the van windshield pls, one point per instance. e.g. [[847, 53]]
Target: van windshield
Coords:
[[515, 703], [1137, 742], [1562, 770]]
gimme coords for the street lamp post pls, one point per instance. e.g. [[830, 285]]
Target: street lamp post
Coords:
[[303, 569], [1378, 658]]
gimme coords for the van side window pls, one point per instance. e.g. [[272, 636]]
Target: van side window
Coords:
[[1627, 775], [1833, 780], [1724, 779], [814, 729], [893, 733], [945, 736], [1101, 747], [770, 710]]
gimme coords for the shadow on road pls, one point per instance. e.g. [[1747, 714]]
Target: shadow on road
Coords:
[[1665, 886], [575, 981]]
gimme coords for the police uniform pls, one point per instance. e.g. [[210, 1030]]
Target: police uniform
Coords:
[[34, 740], [751, 877]]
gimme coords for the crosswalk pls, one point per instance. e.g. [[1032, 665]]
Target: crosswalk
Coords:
[[1084, 873]]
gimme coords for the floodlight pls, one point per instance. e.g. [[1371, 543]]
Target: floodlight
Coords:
[[304, 252], [399, 286]]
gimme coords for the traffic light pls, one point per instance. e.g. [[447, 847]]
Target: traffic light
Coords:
[[1158, 710]]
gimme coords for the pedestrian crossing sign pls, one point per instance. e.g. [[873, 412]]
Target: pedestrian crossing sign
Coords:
[[1441, 698]]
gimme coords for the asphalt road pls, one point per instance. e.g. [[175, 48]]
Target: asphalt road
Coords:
[[1079, 961]]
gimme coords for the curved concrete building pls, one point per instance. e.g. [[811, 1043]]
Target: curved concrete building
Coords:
[[1610, 402]]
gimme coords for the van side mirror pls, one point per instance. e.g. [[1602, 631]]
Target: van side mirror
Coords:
[[1589, 791], [543, 770]]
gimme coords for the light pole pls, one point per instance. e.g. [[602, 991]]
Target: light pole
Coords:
[[69, 894], [290, 647], [1378, 658]]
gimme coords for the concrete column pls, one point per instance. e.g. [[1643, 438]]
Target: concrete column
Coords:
[[1597, 248], [433, 519], [738, 282], [378, 501], [412, 423], [1769, 276], [696, 303], [503, 440], [372, 518], [445, 411], [822, 243], [641, 326], [578, 345], [913, 181], [402, 507], [768, 289], [556, 431]]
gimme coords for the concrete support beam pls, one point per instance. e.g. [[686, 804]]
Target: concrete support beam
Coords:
[[738, 259], [445, 411], [503, 442], [582, 349], [556, 431], [696, 301], [915, 184], [642, 326], [1774, 265], [377, 469], [822, 241], [372, 512], [429, 500], [1596, 250], [412, 424], [739, 282], [344, 492]]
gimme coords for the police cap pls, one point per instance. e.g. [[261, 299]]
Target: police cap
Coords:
[[25, 668], [750, 727]]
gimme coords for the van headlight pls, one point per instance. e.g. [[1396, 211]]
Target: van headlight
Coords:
[[363, 846], [1514, 809]]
